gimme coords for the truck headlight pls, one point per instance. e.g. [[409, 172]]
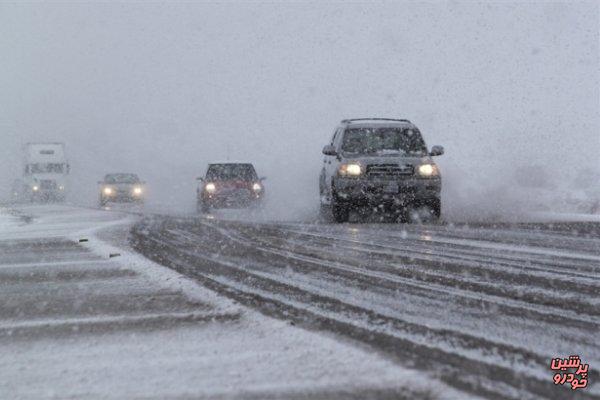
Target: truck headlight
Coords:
[[428, 170], [137, 190], [210, 188], [350, 170], [107, 191]]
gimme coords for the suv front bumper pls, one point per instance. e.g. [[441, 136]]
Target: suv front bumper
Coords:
[[367, 191]]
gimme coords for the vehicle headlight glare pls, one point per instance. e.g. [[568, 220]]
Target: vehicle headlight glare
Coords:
[[350, 170], [256, 187], [428, 170], [108, 191], [210, 188], [137, 190], [35, 188]]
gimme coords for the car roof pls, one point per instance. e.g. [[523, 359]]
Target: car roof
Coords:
[[229, 162], [121, 174], [376, 122]]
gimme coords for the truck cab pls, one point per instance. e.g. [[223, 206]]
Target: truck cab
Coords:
[[45, 171]]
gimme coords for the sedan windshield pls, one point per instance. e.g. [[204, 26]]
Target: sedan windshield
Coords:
[[229, 172], [121, 178], [383, 141]]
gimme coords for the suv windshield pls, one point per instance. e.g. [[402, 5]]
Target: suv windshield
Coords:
[[121, 178], [383, 141], [227, 172]]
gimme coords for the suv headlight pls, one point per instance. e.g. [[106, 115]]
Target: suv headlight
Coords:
[[210, 188], [350, 170], [428, 170]]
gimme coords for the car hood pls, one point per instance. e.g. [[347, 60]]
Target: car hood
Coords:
[[122, 185], [374, 160]]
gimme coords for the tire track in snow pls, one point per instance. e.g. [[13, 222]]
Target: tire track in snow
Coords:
[[207, 256]]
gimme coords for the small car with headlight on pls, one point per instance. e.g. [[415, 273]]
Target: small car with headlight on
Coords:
[[229, 185], [379, 164], [121, 188]]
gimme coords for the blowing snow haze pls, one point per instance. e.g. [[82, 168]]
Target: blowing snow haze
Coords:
[[510, 90], [447, 250]]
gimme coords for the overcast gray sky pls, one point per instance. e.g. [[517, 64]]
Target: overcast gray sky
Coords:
[[163, 88]]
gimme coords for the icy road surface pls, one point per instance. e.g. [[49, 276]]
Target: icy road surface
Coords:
[[485, 308], [77, 324]]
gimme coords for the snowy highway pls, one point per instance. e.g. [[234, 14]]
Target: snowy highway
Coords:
[[299, 200], [83, 316], [484, 308]]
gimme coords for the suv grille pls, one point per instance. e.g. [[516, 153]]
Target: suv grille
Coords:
[[389, 170], [48, 185]]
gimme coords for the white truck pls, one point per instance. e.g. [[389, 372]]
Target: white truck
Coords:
[[45, 171]]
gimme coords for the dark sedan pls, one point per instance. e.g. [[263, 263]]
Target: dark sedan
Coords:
[[230, 185], [121, 187]]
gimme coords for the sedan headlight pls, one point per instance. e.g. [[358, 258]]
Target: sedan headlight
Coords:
[[107, 191], [350, 170], [137, 190], [428, 170], [210, 188]]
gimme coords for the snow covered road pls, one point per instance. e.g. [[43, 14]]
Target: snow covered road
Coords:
[[485, 308], [76, 323]]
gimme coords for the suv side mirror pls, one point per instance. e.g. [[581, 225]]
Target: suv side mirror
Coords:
[[329, 150], [436, 151], [200, 179]]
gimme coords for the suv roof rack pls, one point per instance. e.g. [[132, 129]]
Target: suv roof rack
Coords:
[[345, 121]]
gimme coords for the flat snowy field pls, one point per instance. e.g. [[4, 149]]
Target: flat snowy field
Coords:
[[76, 323]]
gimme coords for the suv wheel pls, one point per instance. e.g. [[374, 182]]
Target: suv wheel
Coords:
[[400, 215], [436, 208], [341, 212], [426, 211], [325, 213]]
